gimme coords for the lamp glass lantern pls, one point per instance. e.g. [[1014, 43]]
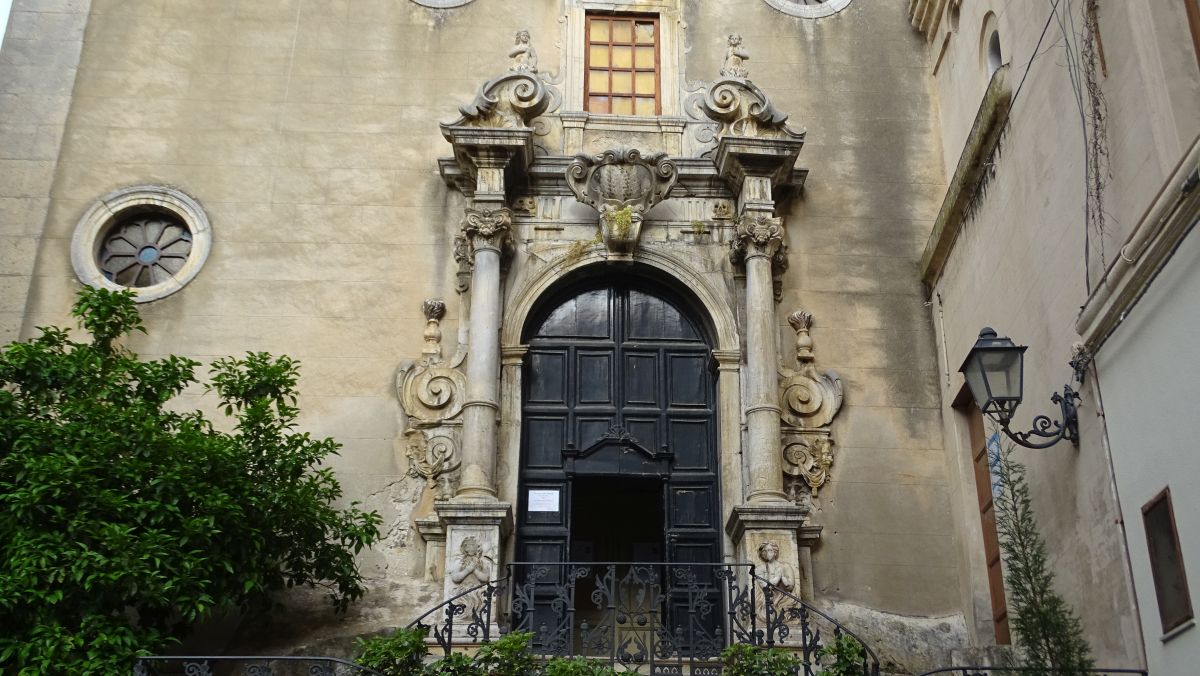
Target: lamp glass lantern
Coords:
[[994, 371]]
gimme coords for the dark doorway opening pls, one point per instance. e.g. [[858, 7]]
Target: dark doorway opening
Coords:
[[616, 519]]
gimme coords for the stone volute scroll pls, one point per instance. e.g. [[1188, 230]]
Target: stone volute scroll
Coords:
[[736, 105], [512, 99], [431, 391], [809, 402], [622, 185]]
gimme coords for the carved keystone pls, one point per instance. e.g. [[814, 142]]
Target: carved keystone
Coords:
[[622, 185]]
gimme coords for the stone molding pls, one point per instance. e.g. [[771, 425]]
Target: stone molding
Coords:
[[809, 11], [442, 4], [970, 174], [111, 209]]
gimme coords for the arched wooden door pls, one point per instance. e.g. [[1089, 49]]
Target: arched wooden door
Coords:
[[619, 457]]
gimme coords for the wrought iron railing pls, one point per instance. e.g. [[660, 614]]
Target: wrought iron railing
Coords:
[[656, 618], [248, 666], [1030, 671]]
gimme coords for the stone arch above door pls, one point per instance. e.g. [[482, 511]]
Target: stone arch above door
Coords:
[[716, 302]]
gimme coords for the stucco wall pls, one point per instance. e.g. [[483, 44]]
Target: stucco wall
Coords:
[[1021, 265], [308, 132], [1152, 429]]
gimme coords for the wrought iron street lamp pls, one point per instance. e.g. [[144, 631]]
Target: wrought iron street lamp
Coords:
[[994, 372]]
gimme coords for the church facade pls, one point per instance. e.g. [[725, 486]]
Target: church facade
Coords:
[[642, 280]]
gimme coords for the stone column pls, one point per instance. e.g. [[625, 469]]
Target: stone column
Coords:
[[767, 529], [487, 233], [759, 241]]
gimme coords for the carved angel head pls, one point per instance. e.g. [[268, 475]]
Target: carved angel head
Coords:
[[522, 37]]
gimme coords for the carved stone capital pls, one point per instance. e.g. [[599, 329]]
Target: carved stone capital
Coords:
[[757, 236], [487, 228]]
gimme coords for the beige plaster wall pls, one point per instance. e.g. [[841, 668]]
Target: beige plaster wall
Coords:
[[858, 81], [308, 132], [1018, 265]]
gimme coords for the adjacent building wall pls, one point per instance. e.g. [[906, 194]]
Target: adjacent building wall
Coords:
[[1024, 262]]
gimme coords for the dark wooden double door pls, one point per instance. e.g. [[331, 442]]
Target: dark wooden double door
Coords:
[[619, 423], [619, 466]]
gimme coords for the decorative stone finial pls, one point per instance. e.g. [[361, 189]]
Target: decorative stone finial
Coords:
[[801, 322], [735, 59], [434, 309], [523, 55], [622, 185]]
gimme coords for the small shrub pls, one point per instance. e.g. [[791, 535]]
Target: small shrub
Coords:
[[401, 654], [508, 656], [748, 660], [843, 656], [576, 666], [455, 664]]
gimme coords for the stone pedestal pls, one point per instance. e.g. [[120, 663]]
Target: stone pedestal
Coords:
[[754, 526], [474, 533]]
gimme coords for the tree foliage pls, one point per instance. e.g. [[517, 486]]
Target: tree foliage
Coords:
[[124, 521], [1047, 629]]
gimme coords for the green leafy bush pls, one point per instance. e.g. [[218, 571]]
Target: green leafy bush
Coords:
[[455, 664], [124, 521], [401, 654], [508, 655], [843, 656], [747, 660], [576, 666]]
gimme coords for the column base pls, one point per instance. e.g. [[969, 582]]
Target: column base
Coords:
[[474, 534], [755, 526]]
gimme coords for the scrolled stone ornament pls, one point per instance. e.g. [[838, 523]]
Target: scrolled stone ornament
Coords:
[[432, 392], [513, 99], [431, 457], [809, 458], [742, 109], [622, 185]]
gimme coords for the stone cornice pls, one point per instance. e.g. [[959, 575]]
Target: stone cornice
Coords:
[[698, 177], [970, 172]]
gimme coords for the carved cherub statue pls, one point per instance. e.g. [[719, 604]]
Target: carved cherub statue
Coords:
[[776, 572], [472, 562], [523, 54], [735, 59]]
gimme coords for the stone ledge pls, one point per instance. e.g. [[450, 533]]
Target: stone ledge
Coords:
[[968, 175]]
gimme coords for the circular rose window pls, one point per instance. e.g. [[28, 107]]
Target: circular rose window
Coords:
[[809, 9], [151, 239]]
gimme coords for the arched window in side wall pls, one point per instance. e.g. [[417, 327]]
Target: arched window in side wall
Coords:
[[994, 58]]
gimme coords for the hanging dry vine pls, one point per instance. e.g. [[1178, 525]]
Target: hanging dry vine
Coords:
[[1096, 112]]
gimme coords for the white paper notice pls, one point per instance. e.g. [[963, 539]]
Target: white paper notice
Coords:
[[543, 501]]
